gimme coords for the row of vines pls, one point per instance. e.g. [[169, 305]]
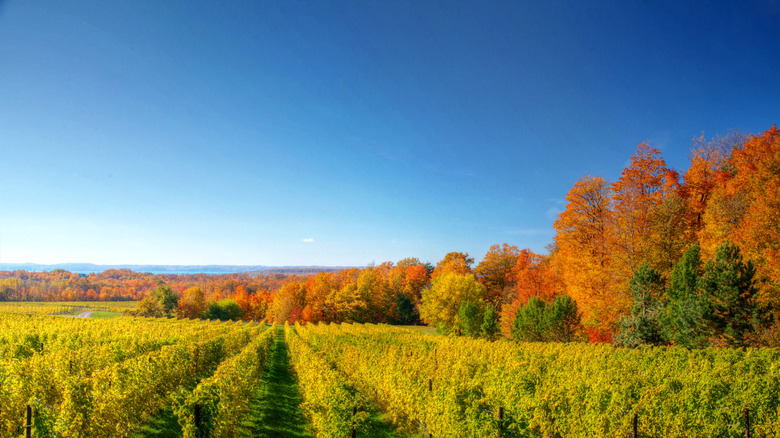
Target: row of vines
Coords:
[[454, 387], [87, 378], [66, 307]]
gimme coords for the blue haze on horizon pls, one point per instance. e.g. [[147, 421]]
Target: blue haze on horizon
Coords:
[[346, 132]]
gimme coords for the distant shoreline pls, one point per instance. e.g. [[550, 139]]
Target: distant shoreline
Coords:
[[88, 268]]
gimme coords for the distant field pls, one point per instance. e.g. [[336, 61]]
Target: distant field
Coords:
[[68, 307], [101, 314], [420, 329]]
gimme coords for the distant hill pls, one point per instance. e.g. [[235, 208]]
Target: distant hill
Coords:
[[86, 268]]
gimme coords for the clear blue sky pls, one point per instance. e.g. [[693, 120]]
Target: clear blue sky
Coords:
[[341, 133]]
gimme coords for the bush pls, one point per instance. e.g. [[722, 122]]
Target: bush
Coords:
[[224, 310]]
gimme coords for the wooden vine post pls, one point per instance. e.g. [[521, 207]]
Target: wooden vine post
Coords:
[[28, 425], [500, 421], [197, 419], [354, 432]]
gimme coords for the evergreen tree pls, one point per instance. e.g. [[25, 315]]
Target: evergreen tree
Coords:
[[643, 326], [490, 328], [684, 321], [224, 310], [728, 283], [562, 319], [470, 319], [405, 309], [530, 322]]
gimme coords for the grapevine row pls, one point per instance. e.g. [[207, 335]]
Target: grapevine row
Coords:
[[572, 390], [328, 399], [220, 405]]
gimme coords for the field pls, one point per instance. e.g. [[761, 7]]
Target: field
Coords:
[[147, 377], [68, 307]]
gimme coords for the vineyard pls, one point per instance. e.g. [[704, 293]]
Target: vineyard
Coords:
[[114, 377], [455, 387], [67, 307], [87, 378]]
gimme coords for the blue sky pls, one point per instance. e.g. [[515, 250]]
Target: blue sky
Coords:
[[341, 133]]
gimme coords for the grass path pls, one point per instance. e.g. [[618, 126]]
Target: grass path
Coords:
[[277, 412]]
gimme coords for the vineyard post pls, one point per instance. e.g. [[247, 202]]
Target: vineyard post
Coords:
[[28, 426], [430, 388], [500, 420], [636, 421], [747, 423], [354, 412], [197, 419]]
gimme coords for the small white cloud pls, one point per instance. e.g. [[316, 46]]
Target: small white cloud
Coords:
[[307, 240]]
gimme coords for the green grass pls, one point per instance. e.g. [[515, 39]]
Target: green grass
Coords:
[[277, 413], [164, 425], [102, 314], [379, 426], [420, 328]]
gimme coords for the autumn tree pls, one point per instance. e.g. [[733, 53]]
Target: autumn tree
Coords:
[[379, 299], [257, 306], [457, 262], [415, 279], [709, 163], [637, 196], [745, 209], [150, 306], [192, 303], [288, 302], [167, 298], [441, 302], [408, 262], [495, 273], [583, 257], [347, 304], [406, 280], [318, 289], [532, 276]]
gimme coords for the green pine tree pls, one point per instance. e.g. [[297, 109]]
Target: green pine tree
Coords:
[[728, 283], [490, 328], [643, 326], [684, 318], [530, 322], [470, 319], [562, 319]]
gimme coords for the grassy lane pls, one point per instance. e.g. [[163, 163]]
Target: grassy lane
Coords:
[[277, 412], [164, 425]]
